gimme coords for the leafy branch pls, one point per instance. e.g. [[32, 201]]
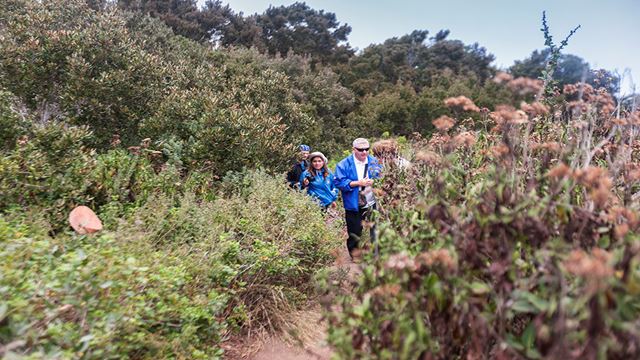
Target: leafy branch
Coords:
[[547, 74]]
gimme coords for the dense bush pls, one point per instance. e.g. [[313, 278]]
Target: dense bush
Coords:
[[172, 279], [516, 243]]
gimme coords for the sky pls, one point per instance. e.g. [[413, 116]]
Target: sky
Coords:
[[609, 36]]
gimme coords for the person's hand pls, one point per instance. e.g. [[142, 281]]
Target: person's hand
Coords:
[[333, 205], [305, 182], [366, 182]]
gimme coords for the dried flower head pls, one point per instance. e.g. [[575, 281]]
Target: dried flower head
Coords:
[[508, 114], [428, 157], [595, 268], [386, 290], [500, 151], [559, 171], [23, 140], [461, 102], [525, 86], [534, 109], [440, 257], [443, 123], [597, 180], [551, 146], [387, 148], [400, 262], [115, 140], [465, 139], [502, 77], [438, 141]]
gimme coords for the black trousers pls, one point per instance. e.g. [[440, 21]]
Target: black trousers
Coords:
[[354, 226]]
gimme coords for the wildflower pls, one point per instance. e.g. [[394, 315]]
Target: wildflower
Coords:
[[115, 140], [441, 257], [502, 77], [551, 146], [400, 262], [23, 140], [524, 86], [579, 124], [499, 151], [620, 122], [461, 102], [438, 141], [594, 268], [621, 230], [428, 157], [620, 214], [508, 114], [386, 290], [535, 108], [632, 174], [465, 139], [596, 179], [559, 171], [595, 265], [443, 123]]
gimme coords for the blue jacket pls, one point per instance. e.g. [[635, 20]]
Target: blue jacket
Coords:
[[321, 188], [346, 173]]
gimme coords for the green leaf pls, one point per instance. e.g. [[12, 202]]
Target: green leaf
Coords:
[[479, 288], [523, 306], [529, 336]]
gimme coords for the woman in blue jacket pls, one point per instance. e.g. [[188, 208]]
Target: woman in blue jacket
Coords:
[[318, 180]]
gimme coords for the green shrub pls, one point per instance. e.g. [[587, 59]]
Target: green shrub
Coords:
[[100, 297], [177, 275], [493, 247], [263, 244]]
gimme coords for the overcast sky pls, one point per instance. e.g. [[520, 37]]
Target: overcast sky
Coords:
[[509, 29]]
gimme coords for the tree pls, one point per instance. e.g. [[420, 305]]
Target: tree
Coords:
[[415, 59], [571, 69], [305, 31], [185, 18]]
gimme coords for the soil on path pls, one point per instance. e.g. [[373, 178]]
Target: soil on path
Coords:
[[310, 326]]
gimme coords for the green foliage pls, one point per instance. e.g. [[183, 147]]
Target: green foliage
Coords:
[[12, 123], [411, 60], [170, 280], [571, 69], [400, 110], [304, 31], [554, 55], [99, 297], [485, 250], [88, 75], [50, 169]]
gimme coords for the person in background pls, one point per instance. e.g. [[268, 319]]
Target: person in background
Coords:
[[318, 180], [354, 178], [293, 176], [386, 151]]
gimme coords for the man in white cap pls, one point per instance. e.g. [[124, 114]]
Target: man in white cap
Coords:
[[354, 177]]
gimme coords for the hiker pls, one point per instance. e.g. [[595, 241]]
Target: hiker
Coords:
[[293, 176], [354, 177], [386, 151], [318, 180]]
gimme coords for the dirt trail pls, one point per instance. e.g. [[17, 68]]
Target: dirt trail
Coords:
[[310, 325]]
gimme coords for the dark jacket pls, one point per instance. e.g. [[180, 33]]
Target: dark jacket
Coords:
[[293, 176]]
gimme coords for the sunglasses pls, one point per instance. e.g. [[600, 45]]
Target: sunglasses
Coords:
[[362, 150]]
